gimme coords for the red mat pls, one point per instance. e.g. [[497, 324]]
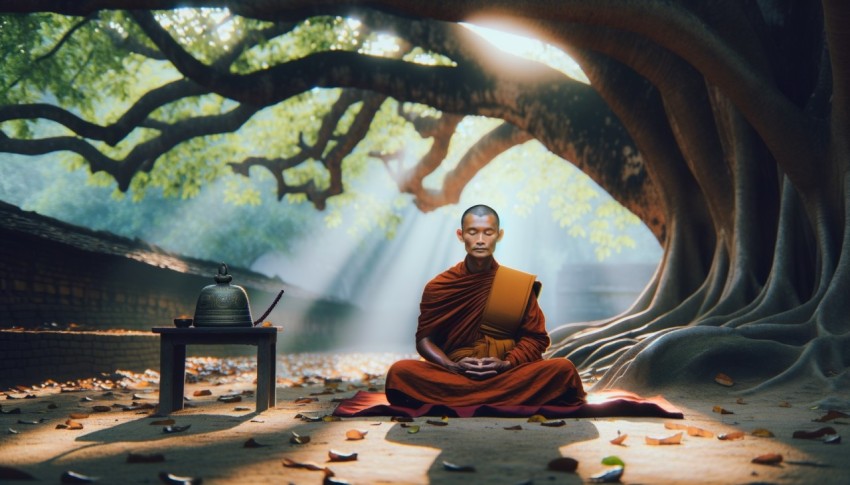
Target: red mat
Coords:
[[600, 404]]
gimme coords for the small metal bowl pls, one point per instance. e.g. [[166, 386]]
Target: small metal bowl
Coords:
[[182, 322]]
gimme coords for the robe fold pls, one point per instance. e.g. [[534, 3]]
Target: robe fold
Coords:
[[450, 316]]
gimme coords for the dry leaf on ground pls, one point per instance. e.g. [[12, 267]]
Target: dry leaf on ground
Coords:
[[434, 422], [768, 459], [252, 443], [673, 439], [702, 433], [307, 465], [554, 424], [355, 434], [513, 428], [537, 418], [734, 435], [298, 439], [721, 410], [451, 467], [339, 456], [175, 429], [763, 433], [619, 439], [171, 479], [202, 392], [723, 380], [401, 419], [829, 416], [813, 435]]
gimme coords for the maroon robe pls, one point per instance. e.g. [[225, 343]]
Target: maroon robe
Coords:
[[450, 316]]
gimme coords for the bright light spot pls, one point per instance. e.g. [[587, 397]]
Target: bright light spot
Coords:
[[381, 45], [531, 49]]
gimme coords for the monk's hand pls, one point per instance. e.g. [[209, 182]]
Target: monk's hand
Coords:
[[463, 365], [486, 367]]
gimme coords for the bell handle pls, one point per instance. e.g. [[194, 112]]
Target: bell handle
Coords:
[[274, 303]]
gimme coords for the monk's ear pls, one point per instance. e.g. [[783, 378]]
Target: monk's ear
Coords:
[[460, 235], [501, 233]]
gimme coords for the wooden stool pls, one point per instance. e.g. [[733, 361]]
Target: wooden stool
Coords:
[[172, 359]]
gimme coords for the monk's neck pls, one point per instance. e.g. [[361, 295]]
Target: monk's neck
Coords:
[[478, 265]]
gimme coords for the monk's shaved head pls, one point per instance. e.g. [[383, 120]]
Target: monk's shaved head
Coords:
[[480, 210]]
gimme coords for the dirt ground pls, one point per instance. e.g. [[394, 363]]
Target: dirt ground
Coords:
[[214, 449]]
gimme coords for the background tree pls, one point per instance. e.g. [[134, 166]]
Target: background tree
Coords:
[[722, 125]]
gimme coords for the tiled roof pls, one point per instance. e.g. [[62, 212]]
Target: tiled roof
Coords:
[[17, 220]]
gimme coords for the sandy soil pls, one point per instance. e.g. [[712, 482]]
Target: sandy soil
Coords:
[[213, 448]]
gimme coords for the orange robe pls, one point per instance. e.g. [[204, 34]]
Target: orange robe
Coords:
[[450, 315]]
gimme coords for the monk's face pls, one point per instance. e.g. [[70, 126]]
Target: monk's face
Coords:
[[479, 235]]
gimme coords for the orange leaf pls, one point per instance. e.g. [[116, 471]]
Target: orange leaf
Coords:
[[768, 459], [78, 415], [694, 431], [355, 434], [537, 418], [305, 400], [73, 424], [734, 435], [338, 456], [723, 380], [721, 410], [202, 392], [762, 433], [619, 439], [673, 439], [672, 425], [306, 465]]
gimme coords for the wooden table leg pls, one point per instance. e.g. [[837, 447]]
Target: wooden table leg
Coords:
[[172, 373], [266, 350]]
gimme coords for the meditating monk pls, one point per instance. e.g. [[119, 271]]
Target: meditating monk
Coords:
[[482, 334]]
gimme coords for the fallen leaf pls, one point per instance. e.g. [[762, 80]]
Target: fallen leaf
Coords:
[[451, 467], [252, 443], [672, 425], [101, 409], [202, 392], [307, 465], [9, 473], [413, 429], [298, 439], [702, 433], [437, 423], [813, 435], [175, 429], [768, 459], [553, 424], [829, 416], [230, 399], [832, 439], [305, 400], [608, 476], [401, 419], [338, 456], [563, 464], [145, 458], [785, 404], [537, 418], [762, 433], [619, 439], [171, 479], [355, 434], [137, 397], [74, 477], [162, 422], [241, 409], [71, 424], [673, 439], [330, 418], [308, 418], [720, 410], [734, 435], [613, 460], [514, 428], [724, 380]]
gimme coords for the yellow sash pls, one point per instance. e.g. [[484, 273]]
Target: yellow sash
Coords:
[[507, 302]]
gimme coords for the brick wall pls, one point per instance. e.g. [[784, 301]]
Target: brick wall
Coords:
[[28, 358]]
